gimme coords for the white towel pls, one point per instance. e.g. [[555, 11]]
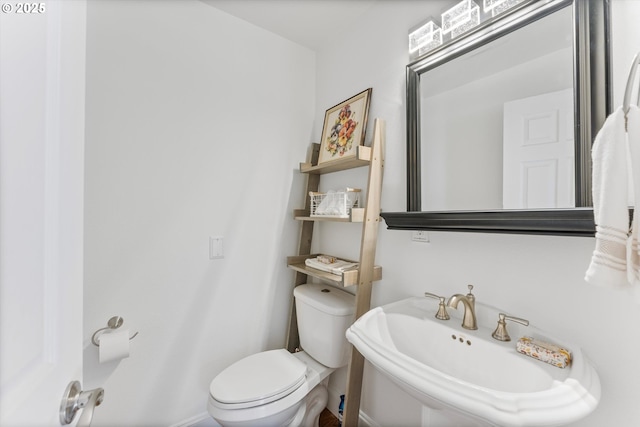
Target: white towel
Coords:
[[633, 255], [337, 267], [608, 265]]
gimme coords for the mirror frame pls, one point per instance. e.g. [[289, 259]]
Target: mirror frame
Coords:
[[592, 96]]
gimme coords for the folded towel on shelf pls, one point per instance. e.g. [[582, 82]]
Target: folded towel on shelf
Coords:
[[610, 155], [337, 267]]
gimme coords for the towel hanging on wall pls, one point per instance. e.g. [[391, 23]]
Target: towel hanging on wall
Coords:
[[616, 176], [633, 251], [610, 189]]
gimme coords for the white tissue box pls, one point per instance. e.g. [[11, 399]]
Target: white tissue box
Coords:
[[334, 204]]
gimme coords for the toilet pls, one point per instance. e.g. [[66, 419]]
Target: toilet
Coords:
[[278, 388]]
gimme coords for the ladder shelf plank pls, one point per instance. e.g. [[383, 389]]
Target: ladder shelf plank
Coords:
[[356, 215], [362, 158], [348, 278]]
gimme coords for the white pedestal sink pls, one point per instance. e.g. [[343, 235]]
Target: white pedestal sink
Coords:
[[443, 365]]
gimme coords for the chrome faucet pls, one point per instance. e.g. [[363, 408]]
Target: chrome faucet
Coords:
[[469, 319]]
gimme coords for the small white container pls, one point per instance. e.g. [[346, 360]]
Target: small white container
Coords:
[[334, 204]]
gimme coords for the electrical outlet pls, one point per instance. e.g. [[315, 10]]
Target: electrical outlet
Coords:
[[420, 236]]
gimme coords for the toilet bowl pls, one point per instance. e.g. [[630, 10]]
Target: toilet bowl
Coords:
[[278, 388], [262, 396]]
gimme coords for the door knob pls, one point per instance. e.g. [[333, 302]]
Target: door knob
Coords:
[[74, 399]]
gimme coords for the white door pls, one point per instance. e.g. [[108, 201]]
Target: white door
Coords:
[[42, 72], [538, 153]]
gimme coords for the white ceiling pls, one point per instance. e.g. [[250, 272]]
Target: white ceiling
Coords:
[[311, 23]]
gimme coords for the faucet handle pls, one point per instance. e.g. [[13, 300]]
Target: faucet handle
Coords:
[[442, 310], [501, 333], [471, 297]]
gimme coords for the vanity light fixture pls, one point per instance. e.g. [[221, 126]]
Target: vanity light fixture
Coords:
[[455, 21], [460, 18], [496, 7], [426, 37]]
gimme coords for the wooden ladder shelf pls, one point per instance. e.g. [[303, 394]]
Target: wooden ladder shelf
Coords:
[[368, 272]]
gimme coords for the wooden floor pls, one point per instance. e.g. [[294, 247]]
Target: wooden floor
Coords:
[[327, 419]]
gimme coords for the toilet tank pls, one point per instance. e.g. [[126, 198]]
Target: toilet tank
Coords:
[[324, 313]]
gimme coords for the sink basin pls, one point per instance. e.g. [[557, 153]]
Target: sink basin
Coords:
[[445, 366]]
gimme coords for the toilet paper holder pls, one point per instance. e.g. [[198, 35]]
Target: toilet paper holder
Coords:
[[114, 323]]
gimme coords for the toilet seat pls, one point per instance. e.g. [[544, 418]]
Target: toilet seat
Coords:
[[258, 379]]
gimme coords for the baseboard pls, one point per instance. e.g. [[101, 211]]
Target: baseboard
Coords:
[[366, 421], [192, 421]]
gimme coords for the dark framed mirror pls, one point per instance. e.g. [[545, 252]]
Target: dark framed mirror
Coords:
[[462, 98]]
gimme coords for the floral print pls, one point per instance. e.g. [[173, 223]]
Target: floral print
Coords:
[[340, 139]]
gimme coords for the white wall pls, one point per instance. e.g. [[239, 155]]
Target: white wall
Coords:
[[536, 277], [195, 125]]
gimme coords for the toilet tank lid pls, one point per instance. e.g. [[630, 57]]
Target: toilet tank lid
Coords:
[[327, 299]]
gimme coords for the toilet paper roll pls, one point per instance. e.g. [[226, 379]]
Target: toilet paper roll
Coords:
[[114, 345]]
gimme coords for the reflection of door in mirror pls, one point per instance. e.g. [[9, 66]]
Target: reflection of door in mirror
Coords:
[[462, 122], [538, 154]]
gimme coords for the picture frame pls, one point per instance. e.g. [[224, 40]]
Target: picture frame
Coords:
[[344, 128]]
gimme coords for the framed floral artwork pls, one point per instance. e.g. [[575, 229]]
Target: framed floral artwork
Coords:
[[344, 127]]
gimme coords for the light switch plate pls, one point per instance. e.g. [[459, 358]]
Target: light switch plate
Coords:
[[216, 247]]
